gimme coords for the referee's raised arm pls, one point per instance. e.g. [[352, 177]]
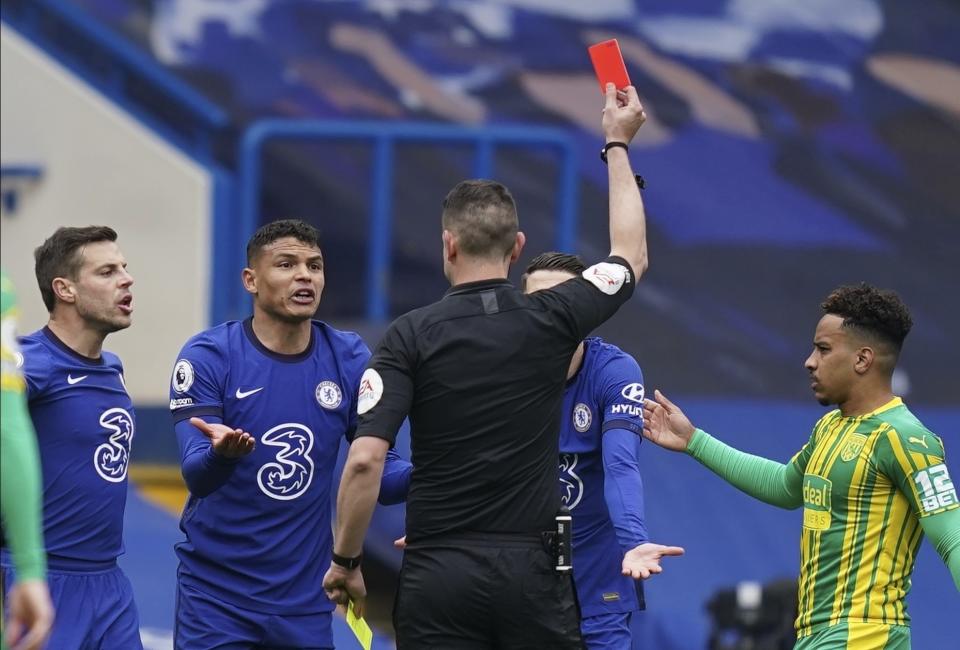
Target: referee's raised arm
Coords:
[[622, 117]]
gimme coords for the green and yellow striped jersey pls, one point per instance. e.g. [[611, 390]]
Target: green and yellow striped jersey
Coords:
[[867, 481], [10, 375]]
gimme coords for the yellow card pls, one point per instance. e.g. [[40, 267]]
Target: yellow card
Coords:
[[360, 628]]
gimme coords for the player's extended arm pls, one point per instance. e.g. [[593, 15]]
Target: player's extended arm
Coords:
[[943, 531], [623, 492], [622, 118], [623, 487], [21, 487], [395, 482], [666, 425], [771, 482], [204, 470]]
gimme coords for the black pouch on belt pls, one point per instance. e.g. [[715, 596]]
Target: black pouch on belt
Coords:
[[559, 542]]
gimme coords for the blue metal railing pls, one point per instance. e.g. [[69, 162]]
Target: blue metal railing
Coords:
[[10, 193], [383, 136], [113, 66]]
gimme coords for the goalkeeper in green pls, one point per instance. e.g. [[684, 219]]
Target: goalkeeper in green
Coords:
[[871, 479], [27, 601]]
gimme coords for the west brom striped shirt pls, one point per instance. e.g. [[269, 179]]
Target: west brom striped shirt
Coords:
[[867, 482]]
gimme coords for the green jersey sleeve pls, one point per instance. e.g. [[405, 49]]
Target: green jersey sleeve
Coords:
[[19, 460], [913, 458], [761, 478]]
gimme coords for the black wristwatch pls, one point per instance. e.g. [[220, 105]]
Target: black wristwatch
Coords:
[[348, 563], [610, 145], [641, 183]]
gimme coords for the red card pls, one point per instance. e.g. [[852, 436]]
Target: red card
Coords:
[[608, 64]]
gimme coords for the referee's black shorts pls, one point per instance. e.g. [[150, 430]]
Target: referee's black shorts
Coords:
[[489, 591]]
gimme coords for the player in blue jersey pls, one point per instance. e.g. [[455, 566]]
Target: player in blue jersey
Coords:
[[260, 408], [85, 424], [600, 482]]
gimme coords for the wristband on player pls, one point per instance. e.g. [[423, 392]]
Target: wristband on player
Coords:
[[641, 183], [348, 563]]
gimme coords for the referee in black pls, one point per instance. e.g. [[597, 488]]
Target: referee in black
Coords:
[[481, 375]]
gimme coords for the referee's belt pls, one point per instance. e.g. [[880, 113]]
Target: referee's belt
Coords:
[[546, 540]]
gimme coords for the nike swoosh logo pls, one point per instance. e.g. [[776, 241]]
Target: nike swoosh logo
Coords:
[[919, 441], [73, 380], [241, 393]]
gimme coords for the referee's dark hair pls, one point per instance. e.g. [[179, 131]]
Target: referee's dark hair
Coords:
[[60, 256], [553, 261], [271, 232], [483, 216], [878, 314]]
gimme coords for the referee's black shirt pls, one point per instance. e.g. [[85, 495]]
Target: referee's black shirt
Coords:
[[481, 375]]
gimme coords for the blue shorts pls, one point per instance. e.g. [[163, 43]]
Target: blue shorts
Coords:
[[606, 631], [204, 623], [94, 611]]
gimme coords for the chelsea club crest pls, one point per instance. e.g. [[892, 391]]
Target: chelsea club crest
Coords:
[[582, 417], [328, 395]]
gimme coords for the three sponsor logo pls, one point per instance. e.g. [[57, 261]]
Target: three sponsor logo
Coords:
[[112, 458], [571, 484], [289, 474]]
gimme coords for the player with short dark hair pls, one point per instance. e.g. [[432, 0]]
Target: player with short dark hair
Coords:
[[85, 426], [872, 479], [260, 407], [600, 433], [58, 256]]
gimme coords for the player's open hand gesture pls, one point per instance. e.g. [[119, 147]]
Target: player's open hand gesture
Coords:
[[622, 114], [665, 424], [226, 442], [343, 585], [642, 561], [30, 615]]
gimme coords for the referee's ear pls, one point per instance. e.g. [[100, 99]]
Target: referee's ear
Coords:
[[518, 246], [449, 246]]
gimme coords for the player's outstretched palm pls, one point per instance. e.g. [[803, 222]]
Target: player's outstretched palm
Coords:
[[642, 561], [665, 424], [226, 442]]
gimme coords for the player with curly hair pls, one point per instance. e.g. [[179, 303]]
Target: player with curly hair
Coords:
[[871, 479]]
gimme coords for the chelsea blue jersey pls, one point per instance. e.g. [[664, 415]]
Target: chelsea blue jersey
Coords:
[[262, 540], [85, 425], [606, 393]]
